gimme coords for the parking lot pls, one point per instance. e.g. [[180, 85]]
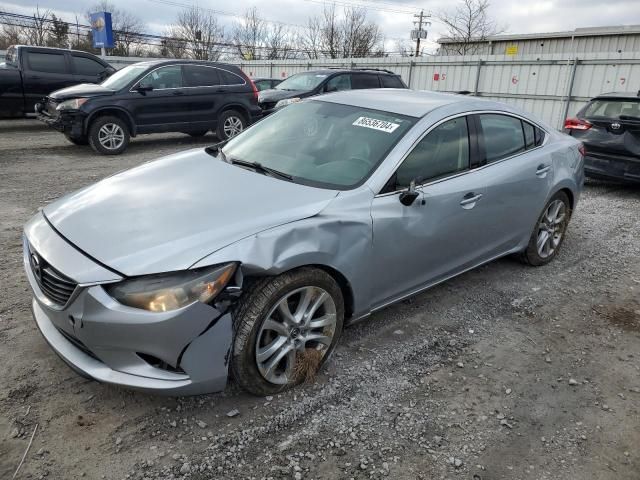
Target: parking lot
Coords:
[[506, 372]]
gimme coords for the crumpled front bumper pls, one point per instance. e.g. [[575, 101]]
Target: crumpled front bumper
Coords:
[[70, 123], [182, 352]]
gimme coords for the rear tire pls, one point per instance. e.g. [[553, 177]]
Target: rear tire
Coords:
[[77, 140], [549, 232], [230, 124], [260, 326], [109, 135]]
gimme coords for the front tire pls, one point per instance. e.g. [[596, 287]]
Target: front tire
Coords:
[[109, 135], [230, 124], [550, 230], [277, 321]]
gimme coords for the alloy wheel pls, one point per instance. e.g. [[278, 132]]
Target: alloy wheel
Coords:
[[232, 126], [302, 319], [551, 228], [111, 136]]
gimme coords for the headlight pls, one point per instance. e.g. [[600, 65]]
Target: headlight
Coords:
[[73, 104], [287, 101], [170, 291]]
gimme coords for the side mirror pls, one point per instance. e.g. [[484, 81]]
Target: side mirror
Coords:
[[331, 88], [142, 88], [409, 195]]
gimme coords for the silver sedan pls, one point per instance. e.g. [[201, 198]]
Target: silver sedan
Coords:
[[250, 257]]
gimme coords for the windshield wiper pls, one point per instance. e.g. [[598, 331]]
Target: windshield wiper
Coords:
[[261, 168]]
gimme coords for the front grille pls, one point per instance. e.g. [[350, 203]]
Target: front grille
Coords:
[[54, 285]]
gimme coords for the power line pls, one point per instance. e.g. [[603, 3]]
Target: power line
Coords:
[[147, 38], [380, 6]]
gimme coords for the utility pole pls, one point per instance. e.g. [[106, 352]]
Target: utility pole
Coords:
[[418, 33]]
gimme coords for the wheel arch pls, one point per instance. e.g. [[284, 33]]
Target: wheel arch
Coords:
[[239, 108], [112, 111]]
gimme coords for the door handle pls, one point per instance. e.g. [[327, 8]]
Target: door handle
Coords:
[[178, 92], [543, 170], [470, 199], [35, 77]]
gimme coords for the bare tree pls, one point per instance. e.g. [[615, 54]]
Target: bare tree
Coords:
[[36, 30], [331, 32], [200, 31], [249, 35], [359, 36], [468, 23], [172, 46], [11, 32], [127, 28], [278, 43], [404, 48], [347, 35], [310, 38]]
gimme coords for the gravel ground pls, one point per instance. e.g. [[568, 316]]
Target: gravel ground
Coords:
[[506, 372]]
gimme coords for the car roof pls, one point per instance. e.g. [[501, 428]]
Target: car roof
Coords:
[[177, 61], [625, 95], [331, 71], [401, 101]]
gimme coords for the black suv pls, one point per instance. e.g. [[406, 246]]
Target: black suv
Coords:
[[609, 128], [315, 82], [150, 97]]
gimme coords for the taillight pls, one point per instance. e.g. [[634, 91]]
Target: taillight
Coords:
[[255, 89], [582, 150], [576, 124]]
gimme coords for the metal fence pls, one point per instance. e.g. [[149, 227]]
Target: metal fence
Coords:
[[549, 86]]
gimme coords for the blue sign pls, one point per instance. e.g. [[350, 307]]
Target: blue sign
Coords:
[[101, 30]]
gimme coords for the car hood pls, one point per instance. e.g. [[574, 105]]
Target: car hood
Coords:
[[167, 214], [82, 90], [275, 95]]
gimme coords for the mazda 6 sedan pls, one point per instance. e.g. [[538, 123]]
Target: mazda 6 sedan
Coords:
[[249, 258]]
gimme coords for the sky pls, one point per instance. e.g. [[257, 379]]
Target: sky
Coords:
[[394, 17]]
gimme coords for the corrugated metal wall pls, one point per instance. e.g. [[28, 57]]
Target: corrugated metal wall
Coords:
[[540, 84], [546, 46], [548, 86]]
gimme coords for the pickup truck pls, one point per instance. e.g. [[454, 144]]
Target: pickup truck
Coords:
[[29, 74]]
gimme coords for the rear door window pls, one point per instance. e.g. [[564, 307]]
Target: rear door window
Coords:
[[164, 77], [199, 76], [391, 81], [529, 135], [615, 109], [86, 66], [47, 62], [228, 78], [364, 80], [503, 136]]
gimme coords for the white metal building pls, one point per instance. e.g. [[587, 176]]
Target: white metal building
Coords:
[[618, 39]]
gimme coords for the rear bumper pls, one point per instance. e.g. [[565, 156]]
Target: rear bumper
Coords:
[[612, 167]]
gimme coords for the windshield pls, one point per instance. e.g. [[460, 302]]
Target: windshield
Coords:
[[320, 143], [124, 77], [613, 109], [302, 81]]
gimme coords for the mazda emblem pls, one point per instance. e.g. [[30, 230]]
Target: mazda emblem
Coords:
[[36, 267], [616, 126]]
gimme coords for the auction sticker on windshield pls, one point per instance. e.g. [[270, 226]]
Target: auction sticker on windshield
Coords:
[[376, 124]]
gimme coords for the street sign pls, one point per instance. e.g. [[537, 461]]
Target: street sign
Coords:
[[101, 30], [421, 34]]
